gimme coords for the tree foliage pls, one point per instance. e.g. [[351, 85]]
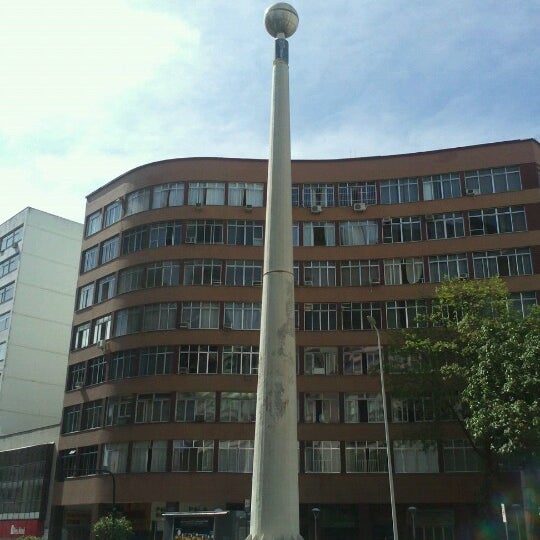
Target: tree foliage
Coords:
[[107, 528], [480, 360]]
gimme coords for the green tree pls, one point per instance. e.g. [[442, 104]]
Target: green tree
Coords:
[[107, 528]]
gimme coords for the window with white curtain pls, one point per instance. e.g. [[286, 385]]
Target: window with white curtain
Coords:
[[365, 457], [102, 328], [358, 233], [504, 262], [81, 337], [200, 359], [442, 226], [115, 457], [246, 194], [168, 195], [321, 408], [415, 457], [207, 193], [360, 360], [322, 457], [354, 315], [360, 273], [86, 296], [110, 249], [237, 407], [403, 271], [195, 407], [363, 407], [149, 456], [138, 201], [199, 315], [320, 233], [242, 315], [240, 359], [93, 223], [243, 272], [235, 456], [320, 360], [320, 273], [443, 267], [318, 195], [441, 186], [357, 192], [90, 259], [193, 456], [112, 214]]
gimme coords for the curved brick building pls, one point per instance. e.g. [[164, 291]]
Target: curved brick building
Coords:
[[163, 363]]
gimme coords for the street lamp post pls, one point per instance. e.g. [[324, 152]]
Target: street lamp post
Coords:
[[316, 512], [373, 325]]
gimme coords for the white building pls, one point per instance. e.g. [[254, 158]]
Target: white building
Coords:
[[39, 259]]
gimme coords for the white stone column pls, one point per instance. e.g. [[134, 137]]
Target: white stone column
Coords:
[[274, 495]]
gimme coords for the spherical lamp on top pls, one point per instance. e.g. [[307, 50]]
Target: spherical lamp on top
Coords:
[[281, 20]]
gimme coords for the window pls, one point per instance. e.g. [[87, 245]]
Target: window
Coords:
[[497, 220], [138, 201], [76, 376], [493, 180], [460, 456], [159, 316], [402, 313], [360, 361], [199, 315], [9, 265], [354, 315], [123, 365], [240, 359], [105, 288], [71, 419], [357, 192], [320, 273], [11, 238], [128, 321], [504, 262], [295, 195], [4, 320], [162, 274], [237, 407], [193, 456], [86, 296], [320, 360], [363, 408], [295, 234], [443, 267], [157, 360], [110, 249], [115, 456], [7, 292], [242, 315], [442, 226], [235, 456], [96, 370], [403, 190], [149, 456], [152, 408], [200, 359], [318, 195], [120, 411], [243, 194], [358, 233], [168, 233], [113, 213], [242, 272], [405, 229], [322, 457], [208, 193], [88, 460], [403, 271], [320, 316], [135, 239], [244, 233], [202, 272], [195, 407], [319, 234], [102, 328], [90, 259], [441, 186], [82, 335], [365, 457], [523, 301], [93, 223], [360, 273], [412, 410], [415, 457], [321, 408], [168, 195], [131, 279], [204, 232], [92, 414]]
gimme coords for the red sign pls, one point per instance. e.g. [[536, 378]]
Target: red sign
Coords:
[[12, 528]]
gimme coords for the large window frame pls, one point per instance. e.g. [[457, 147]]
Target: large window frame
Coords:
[[352, 193], [441, 186], [322, 457], [501, 220], [358, 233], [497, 180], [401, 190]]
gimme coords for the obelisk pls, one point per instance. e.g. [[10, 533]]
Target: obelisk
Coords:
[[274, 491]]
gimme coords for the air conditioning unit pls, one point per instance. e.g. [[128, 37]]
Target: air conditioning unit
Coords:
[[472, 192], [429, 217], [360, 207], [386, 221], [308, 307], [318, 371], [190, 240], [184, 326], [257, 283], [308, 283], [316, 209], [248, 207]]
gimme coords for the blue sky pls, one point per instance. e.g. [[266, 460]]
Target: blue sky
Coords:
[[93, 89]]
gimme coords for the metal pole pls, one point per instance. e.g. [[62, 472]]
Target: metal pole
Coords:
[[373, 325]]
